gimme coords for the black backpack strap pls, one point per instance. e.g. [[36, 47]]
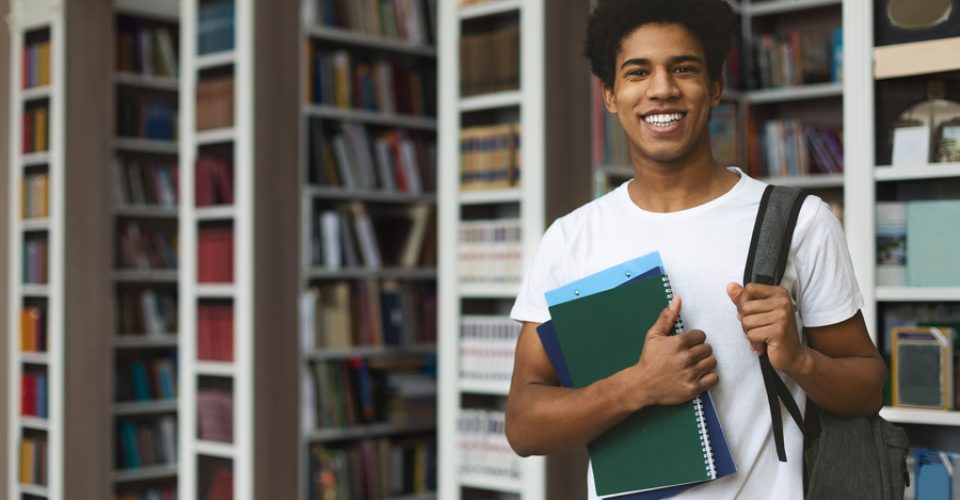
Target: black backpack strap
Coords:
[[766, 263]]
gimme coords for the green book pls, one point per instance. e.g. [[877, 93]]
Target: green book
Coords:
[[933, 243], [659, 446]]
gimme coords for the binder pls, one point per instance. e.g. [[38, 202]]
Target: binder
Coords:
[[589, 317]]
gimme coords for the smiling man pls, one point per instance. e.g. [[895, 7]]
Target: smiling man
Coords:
[[661, 63]]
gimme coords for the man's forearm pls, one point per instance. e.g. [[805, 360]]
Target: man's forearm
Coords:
[[851, 386]]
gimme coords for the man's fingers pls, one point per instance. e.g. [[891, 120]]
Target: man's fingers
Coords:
[[700, 352], [668, 316], [759, 320], [691, 338], [709, 381], [705, 365]]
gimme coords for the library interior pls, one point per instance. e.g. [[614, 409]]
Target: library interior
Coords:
[[269, 249]]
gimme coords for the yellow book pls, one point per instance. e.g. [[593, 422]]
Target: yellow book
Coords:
[[44, 75], [40, 129], [44, 195], [28, 331], [26, 461]]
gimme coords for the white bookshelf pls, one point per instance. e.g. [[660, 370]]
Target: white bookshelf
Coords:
[[771, 7], [793, 93], [30, 17]]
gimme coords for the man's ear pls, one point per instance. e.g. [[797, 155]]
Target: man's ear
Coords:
[[609, 98], [716, 91]]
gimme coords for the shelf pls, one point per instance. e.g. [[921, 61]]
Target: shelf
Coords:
[[215, 136], [491, 101], [36, 159], [490, 196], [917, 172], [491, 8], [491, 483], [145, 341], [326, 354], [207, 61], [350, 37], [222, 291], [917, 58], [35, 224], [129, 408], [917, 294], [808, 181], [150, 473], [918, 416], [386, 273], [215, 368], [147, 81], [158, 276], [216, 212], [34, 490], [369, 431], [146, 211], [35, 93], [213, 448], [767, 8], [488, 387], [35, 358], [140, 145], [489, 291], [794, 93], [161, 9], [416, 496], [371, 117], [337, 193], [40, 424], [34, 290]]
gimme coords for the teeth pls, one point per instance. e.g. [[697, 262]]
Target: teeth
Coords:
[[663, 119]]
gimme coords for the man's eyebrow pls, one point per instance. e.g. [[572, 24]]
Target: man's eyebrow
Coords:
[[639, 61]]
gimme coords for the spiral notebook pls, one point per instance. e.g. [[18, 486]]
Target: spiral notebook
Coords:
[[657, 451]]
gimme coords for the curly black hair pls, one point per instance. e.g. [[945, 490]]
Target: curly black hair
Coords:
[[712, 22]]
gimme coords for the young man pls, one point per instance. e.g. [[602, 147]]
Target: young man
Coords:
[[660, 62]]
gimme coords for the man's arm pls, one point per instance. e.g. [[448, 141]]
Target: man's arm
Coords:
[[839, 368], [543, 418]]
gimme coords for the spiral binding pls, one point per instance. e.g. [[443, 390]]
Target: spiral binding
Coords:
[[705, 446]]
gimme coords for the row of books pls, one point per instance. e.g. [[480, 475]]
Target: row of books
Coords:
[[398, 390], [215, 415], [146, 443], [147, 379], [35, 265], [491, 251], [381, 468], [35, 196], [145, 117], [214, 181], [35, 132], [337, 78], [490, 157], [34, 390], [147, 247], [798, 58], [409, 20], [487, 345], [215, 254], [168, 493], [342, 315], [214, 102], [906, 315], [33, 329], [917, 243], [149, 182], [392, 162], [483, 446], [35, 64], [147, 311], [215, 332], [146, 50], [33, 461], [221, 484], [784, 148], [216, 26], [351, 236], [490, 62]]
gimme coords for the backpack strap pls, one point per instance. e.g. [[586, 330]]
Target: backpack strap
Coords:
[[766, 263]]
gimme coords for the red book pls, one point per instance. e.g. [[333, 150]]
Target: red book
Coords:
[[28, 396]]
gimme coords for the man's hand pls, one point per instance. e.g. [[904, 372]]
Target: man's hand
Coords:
[[767, 315], [673, 368]]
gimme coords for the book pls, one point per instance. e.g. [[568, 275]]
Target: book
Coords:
[[933, 233], [679, 432], [922, 364]]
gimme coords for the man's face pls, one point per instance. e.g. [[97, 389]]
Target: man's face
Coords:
[[662, 93]]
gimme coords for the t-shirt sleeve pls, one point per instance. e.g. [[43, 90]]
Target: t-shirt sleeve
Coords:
[[544, 274], [828, 289]]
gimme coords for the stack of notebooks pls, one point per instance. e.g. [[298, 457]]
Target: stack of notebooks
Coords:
[[597, 328]]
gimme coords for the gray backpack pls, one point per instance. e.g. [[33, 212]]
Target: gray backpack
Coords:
[[844, 457]]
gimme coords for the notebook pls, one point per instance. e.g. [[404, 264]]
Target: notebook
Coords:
[[630, 296]]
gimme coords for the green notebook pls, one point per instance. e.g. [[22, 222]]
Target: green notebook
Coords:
[[659, 446]]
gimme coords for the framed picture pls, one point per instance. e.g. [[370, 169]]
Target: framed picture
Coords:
[[904, 21], [948, 143]]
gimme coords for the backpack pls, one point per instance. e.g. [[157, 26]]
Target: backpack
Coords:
[[844, 457]]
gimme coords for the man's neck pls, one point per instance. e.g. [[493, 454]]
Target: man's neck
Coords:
[[659, 187]]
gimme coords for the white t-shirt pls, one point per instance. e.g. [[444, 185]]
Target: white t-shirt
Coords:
[[704, 248]]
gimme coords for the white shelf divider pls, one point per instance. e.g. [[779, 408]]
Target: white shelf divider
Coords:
[[485, 102], [491, 8], [772, 7], [917, 294], [358, 39], [794, 93], [887, 173], [918, 416]]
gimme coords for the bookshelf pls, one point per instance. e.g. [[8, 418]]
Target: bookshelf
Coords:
[[539, 172], [237, 268], [145, 216], [58, 252], [368, 187]]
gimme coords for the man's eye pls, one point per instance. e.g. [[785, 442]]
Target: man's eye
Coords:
[[684, 69], [638, 72]]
